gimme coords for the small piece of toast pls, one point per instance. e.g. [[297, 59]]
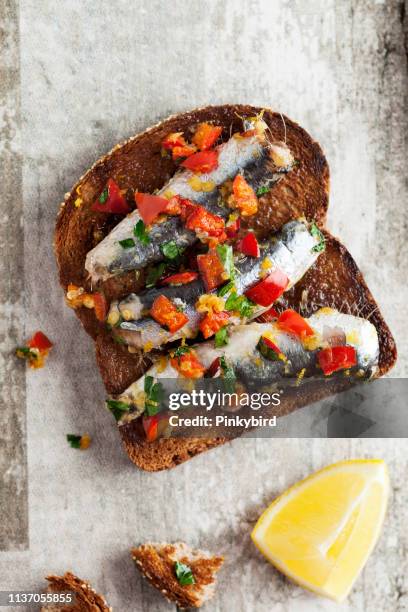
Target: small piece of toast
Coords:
[[86, 598], [157, 564]]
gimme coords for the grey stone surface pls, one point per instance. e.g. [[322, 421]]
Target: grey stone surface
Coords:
[[91, 74], [13, 469]]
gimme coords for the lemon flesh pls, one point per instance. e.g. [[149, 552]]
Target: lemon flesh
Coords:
[[322, 530]]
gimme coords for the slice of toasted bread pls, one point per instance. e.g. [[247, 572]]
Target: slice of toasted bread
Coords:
[[86, 599], [333, 281], [157, 564]]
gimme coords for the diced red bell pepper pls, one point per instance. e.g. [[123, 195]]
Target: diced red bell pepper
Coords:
[[268, 349], [40, 342], [292, 322], [175, 139], [202, 162], [188, 365], [111, 200], [150, 206], [165, 312], [211, 269], [214, 368], [212, 323], [155, 425], [181, 278], [202, 221], [267, 291], [100, 306], [185, 151], [243, 197], [206, 135], [336, 358], [232, 227], [150, 425], [249, 245], [269, 315]]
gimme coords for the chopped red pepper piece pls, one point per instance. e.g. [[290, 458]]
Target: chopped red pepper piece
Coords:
[[150, 206], [269, 315], [165, 312], [243, 197], [202, 221], [232, 227], [336, 358], [202, 162], [181, 278], [175, 139], [290, 321], [212, 323], [150, 425], [269, 289], [100, 306], [40, 342], [211, 269], [214, 368], [185, 151], [206, 135], [271, 345], [188, 365], [269, 350], [249, 245], [111, 200]]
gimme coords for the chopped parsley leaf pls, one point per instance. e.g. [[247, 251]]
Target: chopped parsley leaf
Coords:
[[181, 350], [316, 233], [26, 352], [225, 289], [154, 274], [117, 408], [74, 441], [140, 232], [127, 243], [170, 249], [221, 337], [240, 304], [262, 190], [228, 374], [104, 196], [226, 255], [154, 394], [183, 573]]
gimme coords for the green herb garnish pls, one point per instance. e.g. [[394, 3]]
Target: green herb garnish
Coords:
[[170, 249], [154, 274], [262, 190], [26, 352], [183, 573], [226, 256], [74, 441], [240, 304], [228, 374], [154, 394], [104, 196], [225, 289], [221, 337], [127, 243], [316, 233], [117, 408], [140, 232], [118, 339], [181, 350]]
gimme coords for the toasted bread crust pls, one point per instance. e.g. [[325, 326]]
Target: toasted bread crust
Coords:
[[156, 563], [87, 600], [334, 281]]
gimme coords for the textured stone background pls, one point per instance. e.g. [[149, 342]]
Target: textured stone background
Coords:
[[75, 78]]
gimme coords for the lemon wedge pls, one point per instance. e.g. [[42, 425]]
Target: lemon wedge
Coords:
[[321, 531]]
